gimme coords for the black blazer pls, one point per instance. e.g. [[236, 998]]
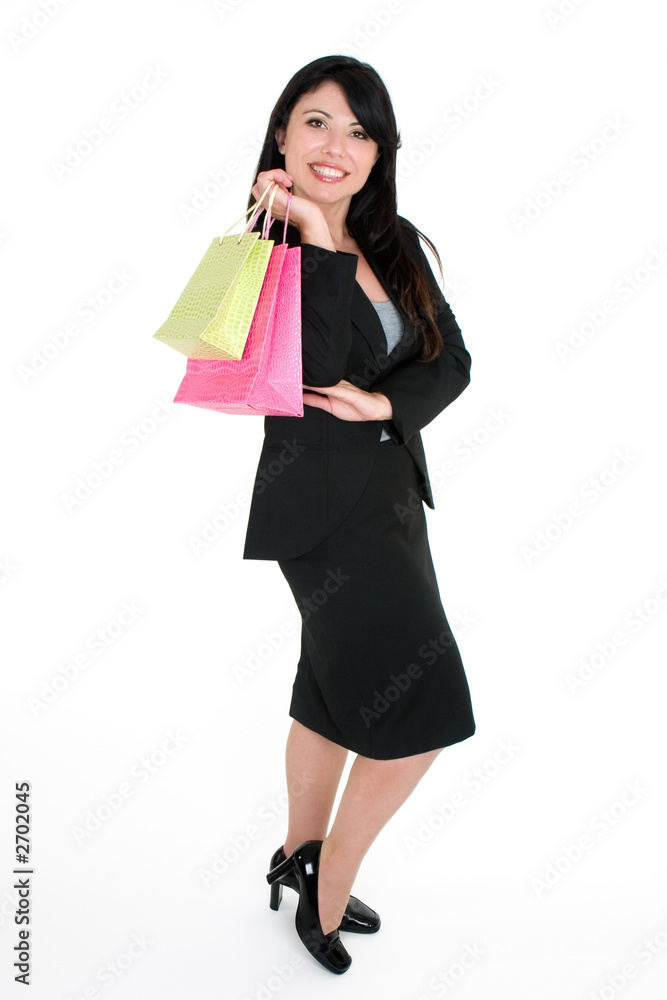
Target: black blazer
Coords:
[[312, 469]]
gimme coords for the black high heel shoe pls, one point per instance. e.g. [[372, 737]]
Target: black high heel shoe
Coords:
[[358, 918], [327, 949]]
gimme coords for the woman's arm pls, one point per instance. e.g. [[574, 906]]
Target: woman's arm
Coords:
[[419, 390], [415, 392]]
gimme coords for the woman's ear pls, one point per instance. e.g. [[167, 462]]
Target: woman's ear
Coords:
[[280, 139]]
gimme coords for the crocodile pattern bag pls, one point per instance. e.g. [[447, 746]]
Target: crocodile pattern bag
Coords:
[[268, 378], [215, 309]]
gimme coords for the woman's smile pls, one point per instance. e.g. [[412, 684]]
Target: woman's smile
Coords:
[[326, 173]]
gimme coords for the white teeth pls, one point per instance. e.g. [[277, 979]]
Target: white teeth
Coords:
[[327, 172]]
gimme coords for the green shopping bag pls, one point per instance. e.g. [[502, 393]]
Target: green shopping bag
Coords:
[[212, 317]]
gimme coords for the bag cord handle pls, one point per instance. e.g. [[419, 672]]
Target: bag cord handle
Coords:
[[268, 221], [252, 208], [267, 217]]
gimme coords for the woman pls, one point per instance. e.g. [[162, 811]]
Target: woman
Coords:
[[338, 494]]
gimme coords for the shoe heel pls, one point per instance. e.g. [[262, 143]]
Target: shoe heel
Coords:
[[276, 895], [284, 868]]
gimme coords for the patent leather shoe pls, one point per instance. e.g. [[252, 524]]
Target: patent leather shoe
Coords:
[[358, 918], [303, 863]]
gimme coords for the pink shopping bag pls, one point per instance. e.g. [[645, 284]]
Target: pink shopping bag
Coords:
[[267, 379]]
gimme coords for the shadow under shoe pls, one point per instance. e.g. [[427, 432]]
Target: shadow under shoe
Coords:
[[358, 918], [303, 863]]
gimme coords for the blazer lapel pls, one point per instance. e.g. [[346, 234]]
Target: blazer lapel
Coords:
[[364, 315]]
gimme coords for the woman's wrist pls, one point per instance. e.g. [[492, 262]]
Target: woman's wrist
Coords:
[[312, 226], [318, 235], [388, 410]]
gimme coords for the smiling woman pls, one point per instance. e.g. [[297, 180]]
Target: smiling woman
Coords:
[[382, 356], [330, 171], [324, 148]]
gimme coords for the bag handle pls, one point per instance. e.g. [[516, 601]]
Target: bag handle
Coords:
[[268, 221], [251, 209], [253, 217], [267, 217]]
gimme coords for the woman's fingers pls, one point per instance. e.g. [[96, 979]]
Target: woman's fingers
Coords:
[[264, 180], [344, 400], [279, 206], [312, 399], [340, 389], [275, 175]]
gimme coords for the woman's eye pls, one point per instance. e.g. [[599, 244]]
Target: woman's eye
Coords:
[[318, 121]]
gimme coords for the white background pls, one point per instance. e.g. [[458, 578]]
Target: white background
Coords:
[[493, 880]]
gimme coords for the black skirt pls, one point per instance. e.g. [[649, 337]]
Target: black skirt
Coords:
[[379, 671]]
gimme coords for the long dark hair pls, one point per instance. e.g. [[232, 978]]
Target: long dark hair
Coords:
[[372, 219]]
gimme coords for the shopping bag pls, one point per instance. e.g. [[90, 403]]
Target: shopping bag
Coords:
[[213, 314], [268, 378]]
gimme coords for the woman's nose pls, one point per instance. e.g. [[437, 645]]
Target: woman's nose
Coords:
[[333, 143]]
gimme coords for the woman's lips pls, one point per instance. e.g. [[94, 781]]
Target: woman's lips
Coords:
[[325, 177]]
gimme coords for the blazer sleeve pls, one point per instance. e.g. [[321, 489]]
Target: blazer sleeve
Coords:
[[327, 285], [419, 390]]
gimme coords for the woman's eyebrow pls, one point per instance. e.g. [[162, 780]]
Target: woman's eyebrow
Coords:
[[326, 113]]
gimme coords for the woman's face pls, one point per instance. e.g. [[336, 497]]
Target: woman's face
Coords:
[[327, 153]]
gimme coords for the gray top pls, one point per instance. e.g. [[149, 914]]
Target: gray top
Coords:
[[392, 324]]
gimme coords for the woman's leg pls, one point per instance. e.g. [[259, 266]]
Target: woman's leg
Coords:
[[313, 766], [374, 791]]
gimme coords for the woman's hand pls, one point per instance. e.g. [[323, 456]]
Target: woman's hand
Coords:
[[348, 402], [303, 213]]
